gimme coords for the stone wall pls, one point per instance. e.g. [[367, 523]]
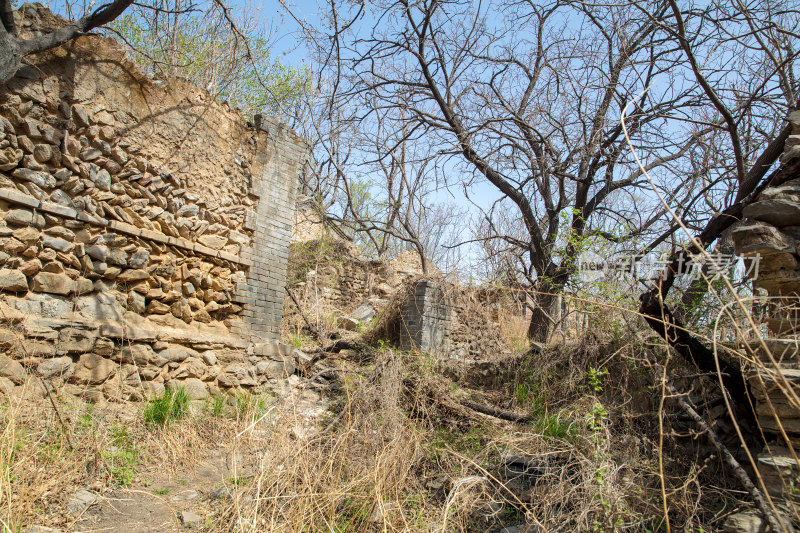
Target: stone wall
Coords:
[[771, 230], [328, 274], [144, 228]]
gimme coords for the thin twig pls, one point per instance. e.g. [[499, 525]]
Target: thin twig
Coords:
[[58, 414]]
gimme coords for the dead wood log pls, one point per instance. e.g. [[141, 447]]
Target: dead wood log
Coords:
[[496, 412]]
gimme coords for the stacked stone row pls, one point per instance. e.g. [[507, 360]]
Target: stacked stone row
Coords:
[[771, 232]]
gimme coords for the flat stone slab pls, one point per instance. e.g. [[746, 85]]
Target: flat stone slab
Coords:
[[81, 501], [778, 212]]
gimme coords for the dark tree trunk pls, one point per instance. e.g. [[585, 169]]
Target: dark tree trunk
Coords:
[[10, 56], [541, 324], [663, 322]]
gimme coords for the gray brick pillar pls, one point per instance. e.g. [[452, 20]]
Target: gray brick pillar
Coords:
[[262, 293], [426, 319]]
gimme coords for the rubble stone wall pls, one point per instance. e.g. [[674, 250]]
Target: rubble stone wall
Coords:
[[771, 230], [144, 228]]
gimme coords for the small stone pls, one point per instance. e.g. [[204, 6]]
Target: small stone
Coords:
[[43, 153], [75, 340], [10, 158], [117, 256], [139, 259], [744, 523], [217, 242], [12, 370], [220, 493], [30, 268], [53, 267], [6, 386], [195, 389], [133, 275], [238, 238], [27, 235], [176, 354], [92, 369], [30, 163], [188, 210], [364, 312], [102, 180], [91, 154], [104, 347], [82, 500], [24, 217], [42, 179], [139, 354], [136, 302], [98, 252], [81, 117], [157, 308], [41, 529], [185, 496], [59, 231], [190, 519], [61, 198], [210, 358], [57, 243], [345, 322], [13, 280]]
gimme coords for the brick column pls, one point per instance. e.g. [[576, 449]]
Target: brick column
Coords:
[[426, 319], [271, 222]]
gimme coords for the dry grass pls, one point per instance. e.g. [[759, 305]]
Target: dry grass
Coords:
[[397, 452]]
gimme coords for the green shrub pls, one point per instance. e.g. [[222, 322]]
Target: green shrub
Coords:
[[170, 406]]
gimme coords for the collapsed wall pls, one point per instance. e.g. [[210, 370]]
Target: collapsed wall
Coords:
[[144, 228], [771, 232]]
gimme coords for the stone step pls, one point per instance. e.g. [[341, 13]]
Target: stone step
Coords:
[[780, 471]]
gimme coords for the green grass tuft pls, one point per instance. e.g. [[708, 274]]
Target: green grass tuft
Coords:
[[170, 406]]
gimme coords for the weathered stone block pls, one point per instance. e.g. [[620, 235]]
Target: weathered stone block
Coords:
[[55, 367], [11, 370], [92, 369], [13, 280], [53, 283], [75, 340]]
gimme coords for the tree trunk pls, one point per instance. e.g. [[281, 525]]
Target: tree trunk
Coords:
[[10, 57], [541, 325]]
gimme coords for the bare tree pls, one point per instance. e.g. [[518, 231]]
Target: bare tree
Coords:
[[368, 177], [534, 117]]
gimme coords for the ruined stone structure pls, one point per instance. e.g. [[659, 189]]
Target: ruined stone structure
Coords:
[[144, 228], [425, 319], [771, 229]]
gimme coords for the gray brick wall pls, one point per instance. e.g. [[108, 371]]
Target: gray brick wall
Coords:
[[262, 294]]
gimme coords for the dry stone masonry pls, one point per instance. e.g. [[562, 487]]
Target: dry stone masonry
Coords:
[[144, 228], [771, 229]]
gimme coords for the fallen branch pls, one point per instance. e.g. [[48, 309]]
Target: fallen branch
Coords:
[[312, 329], [496, 412], [766, 509]]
